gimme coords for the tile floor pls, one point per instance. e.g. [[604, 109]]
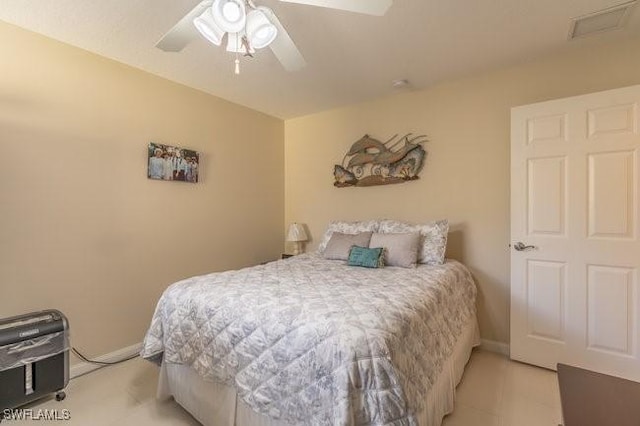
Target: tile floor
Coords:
[[494, 392]]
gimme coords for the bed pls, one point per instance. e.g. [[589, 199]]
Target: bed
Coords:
[[312, 341]]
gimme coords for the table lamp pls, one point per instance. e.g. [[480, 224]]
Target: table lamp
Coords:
[[298, 236]]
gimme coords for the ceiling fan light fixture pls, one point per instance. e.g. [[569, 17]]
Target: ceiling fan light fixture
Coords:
[[260, 30], [207, 26], [231, 11], [229, 15]]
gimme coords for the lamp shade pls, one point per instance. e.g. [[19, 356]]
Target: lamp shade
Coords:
[[207, 26], [260, 31], [297, 233], [230, 15]]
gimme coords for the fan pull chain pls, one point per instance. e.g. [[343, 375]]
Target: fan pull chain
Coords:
[[237, 61]]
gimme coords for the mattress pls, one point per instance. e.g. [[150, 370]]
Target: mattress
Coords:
[[313, 341]]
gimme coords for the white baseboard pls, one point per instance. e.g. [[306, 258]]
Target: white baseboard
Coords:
[[83, 368], [493, 346], [86, 367]]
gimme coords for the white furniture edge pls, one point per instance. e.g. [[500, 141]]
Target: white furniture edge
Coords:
[[83, 368]]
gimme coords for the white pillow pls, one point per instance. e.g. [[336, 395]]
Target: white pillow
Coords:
[[433, 238], [346, 228], [340, 244], [399, 249]]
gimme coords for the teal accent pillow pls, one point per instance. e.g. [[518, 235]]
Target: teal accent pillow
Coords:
[[367, 257]]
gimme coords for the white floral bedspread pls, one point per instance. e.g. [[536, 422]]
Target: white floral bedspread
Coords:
[[314, 341]]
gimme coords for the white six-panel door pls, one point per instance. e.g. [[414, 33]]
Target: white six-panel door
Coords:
[[574, 197]]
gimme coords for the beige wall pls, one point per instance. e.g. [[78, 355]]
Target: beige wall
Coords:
[[83, 229], [466, 176]]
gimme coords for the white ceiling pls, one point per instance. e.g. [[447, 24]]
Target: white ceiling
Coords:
[[351, 57]]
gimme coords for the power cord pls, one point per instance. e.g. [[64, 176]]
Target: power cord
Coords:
[[102, 363]]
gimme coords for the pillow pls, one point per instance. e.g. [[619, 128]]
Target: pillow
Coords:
[[339, 244], [400, 249], [346, 228], [433, 240], [367, 257]]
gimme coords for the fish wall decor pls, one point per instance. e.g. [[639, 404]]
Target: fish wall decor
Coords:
[[371, 162]]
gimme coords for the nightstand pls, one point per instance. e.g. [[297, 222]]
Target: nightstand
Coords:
[[286, 256]]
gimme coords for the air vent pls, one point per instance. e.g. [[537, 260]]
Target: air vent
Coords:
[[608, 19]]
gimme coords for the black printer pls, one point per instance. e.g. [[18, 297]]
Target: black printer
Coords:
[[34, 357]]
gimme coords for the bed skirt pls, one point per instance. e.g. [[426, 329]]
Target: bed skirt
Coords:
[[216, 404]]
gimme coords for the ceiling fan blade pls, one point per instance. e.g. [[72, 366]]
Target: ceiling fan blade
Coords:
[[367, 7], [184, 31], [283, 46]]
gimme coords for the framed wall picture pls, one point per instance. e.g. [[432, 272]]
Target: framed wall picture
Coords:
[[167, 162]]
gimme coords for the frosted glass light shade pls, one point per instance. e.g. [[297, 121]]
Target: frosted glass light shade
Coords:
[[260, 31], [229, 15], [207, 26]]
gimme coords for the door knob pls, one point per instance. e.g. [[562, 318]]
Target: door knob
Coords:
[[520, 246]]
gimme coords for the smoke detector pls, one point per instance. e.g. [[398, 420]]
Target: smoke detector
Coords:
[[400, 84], [611, 18]]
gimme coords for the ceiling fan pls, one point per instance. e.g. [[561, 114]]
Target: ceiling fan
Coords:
[[248, 27]]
